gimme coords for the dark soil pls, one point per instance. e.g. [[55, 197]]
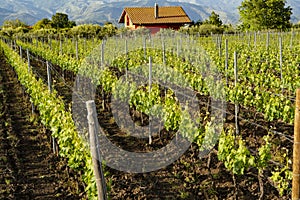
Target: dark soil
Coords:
[[28, 167]]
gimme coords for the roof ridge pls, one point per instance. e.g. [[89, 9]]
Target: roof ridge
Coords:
[[153, 7]]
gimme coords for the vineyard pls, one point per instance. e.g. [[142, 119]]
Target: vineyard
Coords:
[[180, 116]]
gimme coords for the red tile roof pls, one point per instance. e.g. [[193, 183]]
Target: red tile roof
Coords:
[[145, 15]]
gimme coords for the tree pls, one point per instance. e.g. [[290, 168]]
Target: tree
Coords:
[[214, 19], [14, 24], [265, 14], [86, 30], [61, 20], [43, 23]]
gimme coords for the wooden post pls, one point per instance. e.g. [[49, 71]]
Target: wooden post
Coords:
[[60, 47], [21, 52], [126, 53], [177, 49], [126, 47], [144, 45], [54, 144], [50, 43], [291, 41], [164, 53], [249, 39], [280, 60], [220, 45], [150, 84], [76, 49], [254, 39], [102, 54], [96, 159], [268, 40], [28, 59], [226, 61], [296, 151], [49, 76], [84, 45], [236, 106]]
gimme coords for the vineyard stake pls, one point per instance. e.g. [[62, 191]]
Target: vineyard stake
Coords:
[[280, 60], [49, 76], [144, 44], [220, 45], [177, 49], [84, 45], [150, 84], [102, 54], [296, 151], [249, 39], [164, 53], [236, 105], [254, 39], [54, 145], [226, 61], [126, 53], [60, 47], [76, 49], [28, 61], [20, 52], [96, 159], [291, 42], [268, 40], [50, 43]]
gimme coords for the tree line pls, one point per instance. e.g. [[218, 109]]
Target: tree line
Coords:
[[255, 15], [58, 24]]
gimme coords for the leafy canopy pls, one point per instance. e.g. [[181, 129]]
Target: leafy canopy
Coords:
[[61, 20], [214, 19], [13, 24], [265, 14], [43, 24]]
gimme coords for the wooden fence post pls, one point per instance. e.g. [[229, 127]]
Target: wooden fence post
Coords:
[[296, 151], [236, 105], [76, 46], [29, 68], [93, 131], [150, 87], [226, 61], [281, 61], [54, 144], [102, 54]]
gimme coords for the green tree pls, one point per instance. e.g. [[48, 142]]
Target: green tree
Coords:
[[265, 14], [214, 19], [61, 20], [12, 27], [86, 30], [109, 29], [43, 23], [13, 24]]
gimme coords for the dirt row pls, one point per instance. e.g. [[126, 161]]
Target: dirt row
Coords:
[[28, 167]]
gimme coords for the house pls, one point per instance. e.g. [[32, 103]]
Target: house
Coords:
[[154, 18]]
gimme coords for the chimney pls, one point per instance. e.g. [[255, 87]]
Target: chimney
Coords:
[[156, 10]]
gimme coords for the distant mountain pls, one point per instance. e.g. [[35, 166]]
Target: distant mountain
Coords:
[[101, 11]]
